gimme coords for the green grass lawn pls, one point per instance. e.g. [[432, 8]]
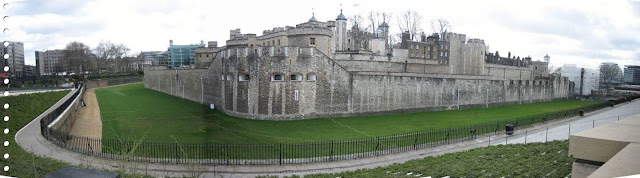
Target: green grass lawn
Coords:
[[522, 160], [23, 109], [132, 111]]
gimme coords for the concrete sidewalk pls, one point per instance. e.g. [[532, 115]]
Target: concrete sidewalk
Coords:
[[30, 139]]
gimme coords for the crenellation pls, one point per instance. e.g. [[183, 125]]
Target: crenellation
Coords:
[[314, 70]]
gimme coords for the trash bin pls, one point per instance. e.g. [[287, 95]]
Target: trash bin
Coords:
[[582, 112], [510, 129]]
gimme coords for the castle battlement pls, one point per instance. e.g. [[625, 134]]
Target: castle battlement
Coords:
[[268, 51]]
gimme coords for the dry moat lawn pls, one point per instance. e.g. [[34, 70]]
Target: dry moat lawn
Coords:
[[132, 111]]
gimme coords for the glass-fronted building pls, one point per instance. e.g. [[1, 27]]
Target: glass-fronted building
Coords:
[[182, 55], [632, 74]]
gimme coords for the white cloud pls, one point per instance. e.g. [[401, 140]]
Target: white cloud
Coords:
[[581, 32]]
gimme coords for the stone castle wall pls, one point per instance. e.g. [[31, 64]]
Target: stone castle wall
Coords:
[[342, 87]]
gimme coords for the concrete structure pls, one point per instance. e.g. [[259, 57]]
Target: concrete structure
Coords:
[[586, 80], [632, 75], [182, 56], [15, 50], [319, 69], [612, 150], [49, 62], [140, 64]]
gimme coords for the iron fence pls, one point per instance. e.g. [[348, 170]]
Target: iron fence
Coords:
[[291, 153]]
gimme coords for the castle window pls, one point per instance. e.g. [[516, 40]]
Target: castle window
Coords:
[[349, 41], [268, 43], [311, 77], [278, 42], [296, 77], [312, 41], [277, 78], [207, 55], [229, 77], [273, 42], [243, 77], [446, 54]]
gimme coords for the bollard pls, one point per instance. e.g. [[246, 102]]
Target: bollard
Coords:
[[546, 135]]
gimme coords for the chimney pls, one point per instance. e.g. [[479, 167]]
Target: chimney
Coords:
[[423, 37]]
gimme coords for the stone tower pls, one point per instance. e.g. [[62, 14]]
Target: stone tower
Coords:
[[340, 34], [384, 27], [547, 58]]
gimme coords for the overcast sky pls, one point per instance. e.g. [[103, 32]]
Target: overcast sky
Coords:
[[571, 32]]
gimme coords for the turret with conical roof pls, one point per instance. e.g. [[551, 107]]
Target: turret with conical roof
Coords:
[[340, 32], [547, 58], [313, 17], [341, 16]]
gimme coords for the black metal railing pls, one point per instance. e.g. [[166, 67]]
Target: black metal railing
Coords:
[[291, 153]]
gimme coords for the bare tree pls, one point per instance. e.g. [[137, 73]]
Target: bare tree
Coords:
[[441, 26], [609, 75], [75, 57], [109, 54], [377, 18], [410, 22], [360, 36]]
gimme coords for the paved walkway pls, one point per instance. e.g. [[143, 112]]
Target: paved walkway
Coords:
[[31, 140]]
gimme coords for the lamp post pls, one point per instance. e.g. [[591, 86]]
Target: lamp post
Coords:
[[458, 93], [486, 102]]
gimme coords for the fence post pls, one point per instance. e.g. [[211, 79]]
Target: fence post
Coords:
[[415, 141], [594, 124], [280, 151], [569, 129], [525, 136], [331, 153]]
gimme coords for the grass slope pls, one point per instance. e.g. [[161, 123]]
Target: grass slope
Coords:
[[23, 109], [134, 111], [522, 160]]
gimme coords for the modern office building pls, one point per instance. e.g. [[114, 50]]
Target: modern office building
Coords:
[[30, 70], [632, 74], [586, 80], [182, 56], [49, 62], [157, 58], [15, 50]]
